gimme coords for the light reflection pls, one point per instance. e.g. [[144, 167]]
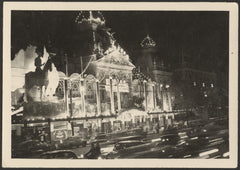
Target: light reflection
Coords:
[[226, 154], [194, 138], [208, 152], [187, 156]]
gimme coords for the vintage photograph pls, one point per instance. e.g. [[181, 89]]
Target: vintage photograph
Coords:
[[119, 84]]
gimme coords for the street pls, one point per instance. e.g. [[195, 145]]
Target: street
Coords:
[[210, 146]]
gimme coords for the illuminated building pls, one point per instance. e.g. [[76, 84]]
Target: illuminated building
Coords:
[[98, 88], [156, 85]]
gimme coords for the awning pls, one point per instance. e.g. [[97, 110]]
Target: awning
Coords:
[[129, 115], [136, 112]]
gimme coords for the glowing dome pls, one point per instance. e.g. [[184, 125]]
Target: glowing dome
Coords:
[[89, 17], [148, 42]]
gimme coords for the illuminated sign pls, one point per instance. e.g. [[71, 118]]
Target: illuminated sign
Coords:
[[59, 130], [60, 134]]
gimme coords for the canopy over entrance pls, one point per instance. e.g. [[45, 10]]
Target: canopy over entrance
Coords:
[[130, 114]]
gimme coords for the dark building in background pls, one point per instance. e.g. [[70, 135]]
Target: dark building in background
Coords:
[[186, 87]]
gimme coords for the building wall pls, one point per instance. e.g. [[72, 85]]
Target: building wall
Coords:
[[194, 88]]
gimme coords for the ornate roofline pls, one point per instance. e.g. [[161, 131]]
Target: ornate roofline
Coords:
[[148, 42], [81, 18]]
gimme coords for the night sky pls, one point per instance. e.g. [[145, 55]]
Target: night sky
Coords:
[[200, 37]]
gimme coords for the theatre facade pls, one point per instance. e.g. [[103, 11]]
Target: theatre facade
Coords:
[[103, 92]]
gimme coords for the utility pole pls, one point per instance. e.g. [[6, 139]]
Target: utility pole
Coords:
[[154, 97], [118, 97], [66, 86], [66, 91], [145, 93], [112, 96], [71, 111], [81, 63], [98, 98]]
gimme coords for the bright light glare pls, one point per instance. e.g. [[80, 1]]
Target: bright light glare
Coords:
[[186, 156], [183, 137], [208, 152], [226, 154], [156, 140], [213, 140], [194, 138]]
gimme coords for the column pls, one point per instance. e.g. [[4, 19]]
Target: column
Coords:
[[66, 96], [71, 104], [154, 96], [123, 124], [145, 93], [98, 98], [161, 95], [112, 96], [51, 128], [82, 96], [118, 98], [139, 88], [140, 119], [171, 120], [100, 124], [168, 98], [111, 120], [151, 118], [133, 119], [144, 119], [157, 96], [169, 101], [166, 120], [165, 103], [159, 117], [71, 112]]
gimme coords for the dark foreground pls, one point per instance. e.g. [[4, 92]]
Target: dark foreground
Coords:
[[210, 141]]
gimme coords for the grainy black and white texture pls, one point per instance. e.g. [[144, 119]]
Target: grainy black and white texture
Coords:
[[119, 84]]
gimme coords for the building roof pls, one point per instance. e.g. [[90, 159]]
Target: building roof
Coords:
[[115, 56]]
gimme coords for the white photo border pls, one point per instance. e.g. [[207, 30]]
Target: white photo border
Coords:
[[7, 161]]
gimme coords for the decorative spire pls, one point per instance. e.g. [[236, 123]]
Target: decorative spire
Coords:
[[90, 17], [148, 42], [111, 38]]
